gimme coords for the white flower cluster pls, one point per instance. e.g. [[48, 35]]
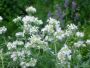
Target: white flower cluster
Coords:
[[36, 42], [79, 44], [21, 48], [32, 37], [51, 26], [72, 27], [14, 44], [17, 52], [32, 63], [28, 19], [80, 34], [18, 19], [64, 54], [53, 32], [54, 29], [21, 56], [30, 9], [28, 22], [3, 29]]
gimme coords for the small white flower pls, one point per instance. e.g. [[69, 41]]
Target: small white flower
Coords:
[[14, 56], [79, 44], [19, 34], [15, 43], [21, 53], [22, 63], [3, 29], [20, 43], [27, 45], [9, 45], [68, 33], [48, 38], [66, 50], [35, 39], [39, 22], [33, 30], [69, 57], [72, 27], [48, 28], [60, 35], [61, 57], [33, 62], [17, 19], [88, 42], [30, 9], [26, 29], [80, 34], [1, 18], [53, 21], [28, 52], [58, 28]]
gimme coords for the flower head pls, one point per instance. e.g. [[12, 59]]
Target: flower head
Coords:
[[88, 42], [30, 9], [79, 44], [3, 29], [17, 19], [80, 34], [72, 27], [64, 53], [19, 34]]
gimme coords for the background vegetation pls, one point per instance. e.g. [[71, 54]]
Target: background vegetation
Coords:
[[11, 9]]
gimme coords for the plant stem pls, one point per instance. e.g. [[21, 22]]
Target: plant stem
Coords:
[[2, 60], [55, 47]]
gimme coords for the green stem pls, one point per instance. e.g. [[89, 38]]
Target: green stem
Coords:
[[55, 47], [2, 60]]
